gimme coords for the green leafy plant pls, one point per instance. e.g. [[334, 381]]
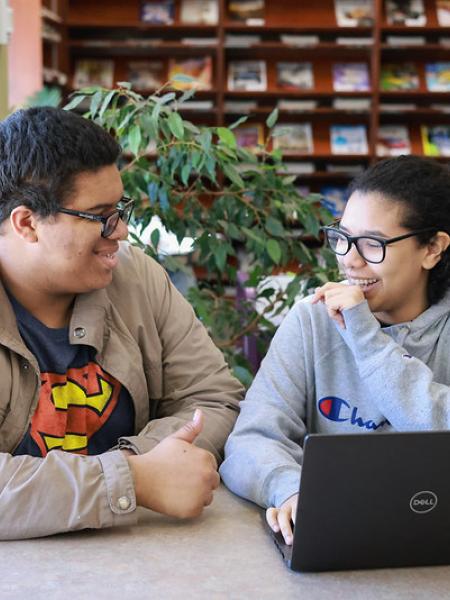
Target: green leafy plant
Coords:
[[242, 209]]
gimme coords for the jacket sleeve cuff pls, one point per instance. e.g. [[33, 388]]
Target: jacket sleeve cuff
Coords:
[[121, 497]]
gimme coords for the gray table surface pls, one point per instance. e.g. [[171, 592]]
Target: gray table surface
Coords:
[[224, 554]]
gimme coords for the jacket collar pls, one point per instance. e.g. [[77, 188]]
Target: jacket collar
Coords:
[[87, 323]]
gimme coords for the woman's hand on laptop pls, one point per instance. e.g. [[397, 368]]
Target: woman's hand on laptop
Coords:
[[281, 519]]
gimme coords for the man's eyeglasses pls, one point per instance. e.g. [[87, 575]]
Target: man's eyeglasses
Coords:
[[371, 248], [109, 222]]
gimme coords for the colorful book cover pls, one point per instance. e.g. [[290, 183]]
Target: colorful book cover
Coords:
[[295, 75], [402, 76], [249, 136], [205, 12], [443, 12], [393, 140], [245, 10], [91, 72], [436, 140], [293, 138], [334, 199], [351, 77], [158, 12], [247, 75], [348, 139], [146, 74], [405, 12], [353, 13], [200, 69], [438, 76]]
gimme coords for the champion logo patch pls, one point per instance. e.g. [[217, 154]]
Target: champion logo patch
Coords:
[[340, 411]]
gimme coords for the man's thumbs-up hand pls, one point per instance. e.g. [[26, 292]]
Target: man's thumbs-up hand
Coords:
[[191, 429], [176, 478]]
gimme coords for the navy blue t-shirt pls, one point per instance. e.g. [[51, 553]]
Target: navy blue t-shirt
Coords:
[[81, 408]]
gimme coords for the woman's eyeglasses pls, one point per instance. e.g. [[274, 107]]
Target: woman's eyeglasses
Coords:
[[371, 248], [109, 222]]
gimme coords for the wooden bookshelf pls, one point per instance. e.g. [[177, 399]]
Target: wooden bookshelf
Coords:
[[113, 29], [54, 70]]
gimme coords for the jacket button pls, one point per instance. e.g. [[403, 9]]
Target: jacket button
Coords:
[[79, 332], [124, 502], [25, 366]]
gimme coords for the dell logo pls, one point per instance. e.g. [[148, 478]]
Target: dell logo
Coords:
[[423, 502]]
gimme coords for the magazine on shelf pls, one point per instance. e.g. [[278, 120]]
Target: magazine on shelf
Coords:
[[352, 104], [247, 75], [351, 77], [345, 169], [158, 12], [293, 138], [353, 13], [90, 72], [240, 106], [354, 41], [444, 108], [299, 41], [200, 69], [403, 40], [435, 140], [200, 105], [295, 75], [249, 136], [405, 12], [299, 168], [348, 139], [247, 11], [146, 74], [397, 107], [202, 12], [241, 41], [393, 140], [400, 76], [334, 199], [437, 76], [297, 105], [199, 41], [443, 12]]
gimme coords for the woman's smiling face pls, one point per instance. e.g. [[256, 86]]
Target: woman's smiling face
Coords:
[[396, 289]]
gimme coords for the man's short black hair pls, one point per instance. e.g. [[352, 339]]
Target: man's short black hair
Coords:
[[42, 150], [422, 186]]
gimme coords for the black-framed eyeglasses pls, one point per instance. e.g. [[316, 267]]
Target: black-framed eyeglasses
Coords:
[[370, 247], [109, 222]]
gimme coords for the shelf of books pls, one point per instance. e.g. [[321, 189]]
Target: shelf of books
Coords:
[[354, 80], [52, 37]]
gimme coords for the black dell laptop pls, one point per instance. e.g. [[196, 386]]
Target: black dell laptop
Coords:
[[371, 501]]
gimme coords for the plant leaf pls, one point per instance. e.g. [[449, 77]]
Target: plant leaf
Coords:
[[274, 250], [227, 137], [272, 118], [134, 139], [176, 126]]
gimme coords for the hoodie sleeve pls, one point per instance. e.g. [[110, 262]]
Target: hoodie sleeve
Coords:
[[402, 387], [264, 452]]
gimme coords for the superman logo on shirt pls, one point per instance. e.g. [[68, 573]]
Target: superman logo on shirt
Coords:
[[72, 407]]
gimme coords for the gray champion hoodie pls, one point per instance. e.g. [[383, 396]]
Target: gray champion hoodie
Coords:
[[319, 378]]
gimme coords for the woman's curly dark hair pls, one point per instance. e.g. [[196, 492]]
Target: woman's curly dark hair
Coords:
[[422, 185]]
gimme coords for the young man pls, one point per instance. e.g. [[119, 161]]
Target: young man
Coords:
[[103, 364]]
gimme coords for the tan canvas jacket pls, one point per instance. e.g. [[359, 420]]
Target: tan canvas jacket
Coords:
[[146, 336]]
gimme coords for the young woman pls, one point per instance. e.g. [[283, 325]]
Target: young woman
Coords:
[[368, 354]]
